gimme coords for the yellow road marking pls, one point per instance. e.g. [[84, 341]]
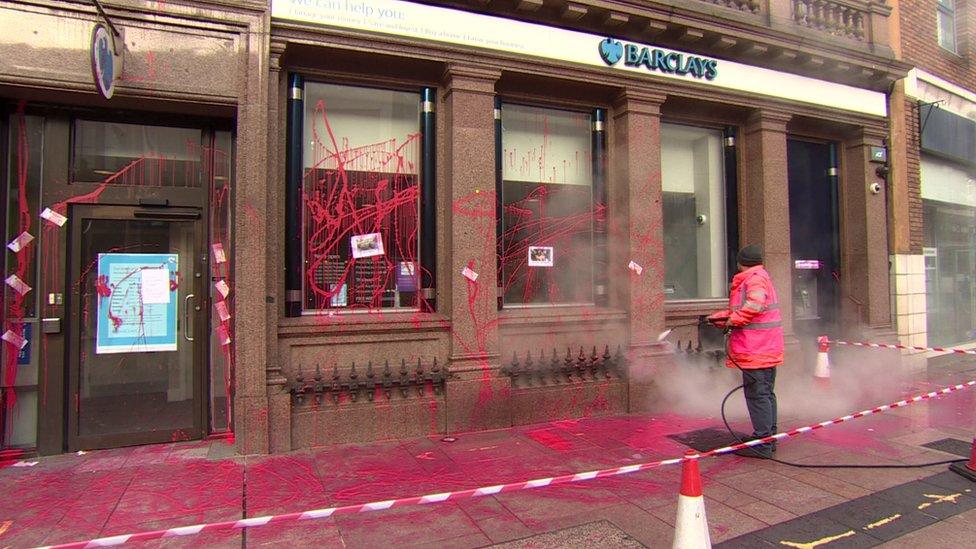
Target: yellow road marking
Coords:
[[822, 541], [883, 521], [951, 498]]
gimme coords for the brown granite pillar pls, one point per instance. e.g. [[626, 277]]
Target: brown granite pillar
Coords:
[[477, 396], [764, 208], [252, 326], [279, 400], [637, 219], [864, 249]]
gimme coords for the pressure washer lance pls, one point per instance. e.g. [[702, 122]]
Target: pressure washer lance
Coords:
[[727, 333], [663, 335]]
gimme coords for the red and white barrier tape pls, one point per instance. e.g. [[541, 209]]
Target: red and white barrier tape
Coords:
[[907, 347], [485, 490]]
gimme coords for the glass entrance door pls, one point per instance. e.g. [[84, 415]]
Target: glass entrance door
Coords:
[[137, 326]]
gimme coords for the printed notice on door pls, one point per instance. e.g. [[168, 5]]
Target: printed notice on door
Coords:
[[137, 305]]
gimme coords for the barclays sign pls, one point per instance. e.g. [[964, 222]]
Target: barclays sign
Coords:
[[612, 51]]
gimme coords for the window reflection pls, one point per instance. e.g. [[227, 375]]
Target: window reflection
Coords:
[[548, 209], [136, 154], [361, 197], [694, 212]]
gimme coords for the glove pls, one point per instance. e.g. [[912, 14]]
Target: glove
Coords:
[[719, 319]]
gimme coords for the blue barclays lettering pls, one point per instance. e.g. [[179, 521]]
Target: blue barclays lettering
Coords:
[[631, 54], [645, 59], [673, 59], [654, 59], [659, 62], [711, 68]]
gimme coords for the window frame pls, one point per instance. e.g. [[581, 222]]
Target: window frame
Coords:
[[730, 205], [597, 172], [420, 175], [208, 134], [946, 8]]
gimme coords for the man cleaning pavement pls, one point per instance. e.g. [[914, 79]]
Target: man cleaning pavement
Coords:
[[755, 330]]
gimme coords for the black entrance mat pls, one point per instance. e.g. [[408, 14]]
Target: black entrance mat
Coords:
[[870, 520], [951, 446], [709, 438]]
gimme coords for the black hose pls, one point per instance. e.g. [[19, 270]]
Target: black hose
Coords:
[[809, 465]]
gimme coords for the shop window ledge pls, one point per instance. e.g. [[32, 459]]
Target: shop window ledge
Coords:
[[353, 323]]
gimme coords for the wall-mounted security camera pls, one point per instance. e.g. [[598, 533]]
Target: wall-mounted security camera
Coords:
[[882, 171], [701, 219], [875, 188]]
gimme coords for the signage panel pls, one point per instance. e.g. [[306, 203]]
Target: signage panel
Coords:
[[444, 25], [103, 61]]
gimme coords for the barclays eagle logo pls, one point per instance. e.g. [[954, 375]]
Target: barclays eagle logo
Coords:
[[611, 51], [105, 67]]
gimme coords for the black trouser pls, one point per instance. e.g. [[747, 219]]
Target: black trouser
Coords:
[[761, 400]]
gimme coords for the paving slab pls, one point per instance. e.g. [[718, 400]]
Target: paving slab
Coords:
[[600, 534], [787, 494], [749, 502], [406, 526]]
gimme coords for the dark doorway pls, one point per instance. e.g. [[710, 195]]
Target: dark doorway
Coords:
[[814, 234]]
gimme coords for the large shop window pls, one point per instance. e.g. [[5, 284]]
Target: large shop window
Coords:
[[548, 207], [360, 193], [949, 210], [694, 212]]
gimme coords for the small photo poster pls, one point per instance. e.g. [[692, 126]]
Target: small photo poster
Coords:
[[366, 245], [339, 296], [541, 256], [469, 273]]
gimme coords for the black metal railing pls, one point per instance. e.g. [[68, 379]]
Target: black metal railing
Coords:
[[698, 355], [354, 385], [556, 369]]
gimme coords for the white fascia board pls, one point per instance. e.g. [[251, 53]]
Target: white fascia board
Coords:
[[444, 25]]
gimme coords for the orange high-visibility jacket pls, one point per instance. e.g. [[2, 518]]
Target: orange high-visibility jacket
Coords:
[[757, 340]]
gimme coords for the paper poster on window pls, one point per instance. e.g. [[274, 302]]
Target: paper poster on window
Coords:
[[406, 277], [540, 256], [137, 305], [339, 297], [366, 245]]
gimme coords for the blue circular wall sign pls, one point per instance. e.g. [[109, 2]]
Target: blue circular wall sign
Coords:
[[103, 62]]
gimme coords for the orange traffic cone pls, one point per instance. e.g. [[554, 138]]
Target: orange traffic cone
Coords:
[[691, 527], [821, 373], [967, 470]]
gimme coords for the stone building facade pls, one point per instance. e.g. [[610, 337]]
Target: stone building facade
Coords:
[[933, 118], [300, 223]]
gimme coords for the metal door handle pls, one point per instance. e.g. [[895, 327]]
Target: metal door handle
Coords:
[[186, 317]]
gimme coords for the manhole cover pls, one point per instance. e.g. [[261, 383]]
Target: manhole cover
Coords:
[[703, 440], [950, 446]]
